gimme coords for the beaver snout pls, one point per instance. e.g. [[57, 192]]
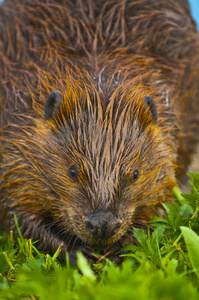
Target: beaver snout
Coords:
[[102, 225]]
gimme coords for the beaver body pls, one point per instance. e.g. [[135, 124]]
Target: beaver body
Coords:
[[99, 119]]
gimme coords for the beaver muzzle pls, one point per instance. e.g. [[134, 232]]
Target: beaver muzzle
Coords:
[[102, 225]]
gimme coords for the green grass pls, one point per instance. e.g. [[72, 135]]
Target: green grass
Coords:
[[165, 265]]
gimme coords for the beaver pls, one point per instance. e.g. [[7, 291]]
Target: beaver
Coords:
[[99, 117]]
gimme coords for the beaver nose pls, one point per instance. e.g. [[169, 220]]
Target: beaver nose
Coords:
[[102, 224]]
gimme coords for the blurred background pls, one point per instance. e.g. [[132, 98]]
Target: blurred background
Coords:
[[195, 10]]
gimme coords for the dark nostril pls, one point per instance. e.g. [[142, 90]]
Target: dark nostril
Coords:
[[89, 226]]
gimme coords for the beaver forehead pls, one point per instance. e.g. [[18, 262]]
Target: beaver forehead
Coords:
[[104, 140], [108, 142], [106, 157]]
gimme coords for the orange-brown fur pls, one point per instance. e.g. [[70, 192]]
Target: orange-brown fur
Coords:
[[103, 58]]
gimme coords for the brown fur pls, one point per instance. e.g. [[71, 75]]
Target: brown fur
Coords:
[[103, 58]]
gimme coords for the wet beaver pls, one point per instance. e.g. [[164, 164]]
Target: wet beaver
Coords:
[[99, 116]]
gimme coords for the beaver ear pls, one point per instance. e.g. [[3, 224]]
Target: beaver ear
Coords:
[[149, 102], [52, 104]]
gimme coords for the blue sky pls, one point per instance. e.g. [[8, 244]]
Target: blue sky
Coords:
[[194, 9]]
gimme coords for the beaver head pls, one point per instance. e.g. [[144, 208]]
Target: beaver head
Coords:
[[94, 166], [84, 166]]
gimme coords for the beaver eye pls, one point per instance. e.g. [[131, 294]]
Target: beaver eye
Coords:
[[160, 176], [73, 173], [135, 175]]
